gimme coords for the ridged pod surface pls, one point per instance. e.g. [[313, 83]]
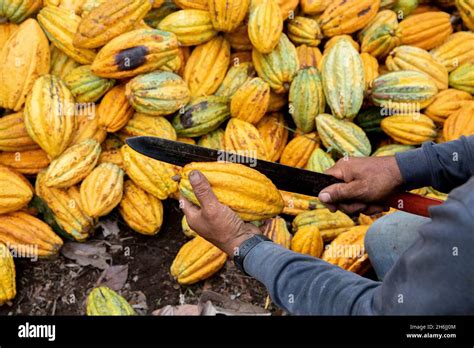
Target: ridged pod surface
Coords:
[[66, 206], [313, 7], [250, 101], [195, 4], [272, 129], [456, 50], [103, 301], [114, 111], [445, 103], [49, 115], [112, 156], [61, 64], [409, 129], [309, 56], [153, 176], [235, 77], [460, 123], [308, 240], [299, 149], [343, 80], [319, 161], [102, 190], [296, 203], [188, 231], [227, 15], [141, 211], [304, 31], [197, 260], [278, 67], [342, 136], [7, 275], [371, 69], [379, 37], [73, 165], [60, 26], [13, 134], [24, 57], [85, 86], [417, 59], [26, 162], [306, 98], [17, 11], [15, 190], [244, 139], [88, 128], [157, 93], [353, 257], [239, 39], [332, 42], [249, 193], [277, 231], [107, 21], [192, 27], [207, 67], [466, 9], [425, 30], [213, 140], [144, 125], [392, 149], [136, 52], [265, 26], [28, 235], [403, 90], [330, 224], [463, 78], [347, 16], [6, 30], [202, 116]]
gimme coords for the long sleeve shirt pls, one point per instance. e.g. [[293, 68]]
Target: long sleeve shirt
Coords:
[[435, 276]]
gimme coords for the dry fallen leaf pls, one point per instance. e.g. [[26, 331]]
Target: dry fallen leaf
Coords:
[[87, 254]]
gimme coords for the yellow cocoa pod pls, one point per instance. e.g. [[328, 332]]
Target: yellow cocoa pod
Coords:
[[188, 232], [143, 125], [7, 275], [114, 110], [296, 203], [61, 63], [107, 21], [250, 101], [197, 260], [228, 15], [466, 9], [274, 133], [88, 128], [456, 50], [246, 191], [6, 30], [309, 56], [196, 4], [102, 190], [334, 40], [23, 58], [277, 101], [426, 30], [25, 162], [192, 27], [49, 115], [27, 235], [66, 206], [319, 161], [298, 150], [213, 140], [85, 86], [13, 134], [347, 16], [308, 240], [371, 69], [239, 39], [277, 231], [445, 103], [244, 139], [60, 26], [379, 37], [103, 301], [141, 211], [112, 156], [16, 11], [304, 31], [313, 7], [15, 190], [235, 78], [460, 123], [153, 176], [409, 129], [463, 78], [207, 67], [73, 165], [136, 52], [265, 26]]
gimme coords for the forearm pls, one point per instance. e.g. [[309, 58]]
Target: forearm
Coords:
[[443, 166], [304, 285]]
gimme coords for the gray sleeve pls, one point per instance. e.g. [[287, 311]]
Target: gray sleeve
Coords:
[[443, 166]]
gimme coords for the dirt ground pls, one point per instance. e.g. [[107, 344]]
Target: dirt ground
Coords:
[[60, 286]]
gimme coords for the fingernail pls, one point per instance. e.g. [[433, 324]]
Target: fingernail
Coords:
[[194, 176], [325, 197]]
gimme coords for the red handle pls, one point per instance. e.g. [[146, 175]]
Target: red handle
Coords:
[[412, 203]]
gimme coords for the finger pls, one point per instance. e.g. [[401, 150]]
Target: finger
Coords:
[[335, 171], [202, 190], [187, 205], [353, 208], [340, 192], [332, 208]]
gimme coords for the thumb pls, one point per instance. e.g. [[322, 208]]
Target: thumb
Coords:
[[339, 192], [202, 189]]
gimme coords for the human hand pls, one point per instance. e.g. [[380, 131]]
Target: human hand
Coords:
[[214, 221], [367, 183]]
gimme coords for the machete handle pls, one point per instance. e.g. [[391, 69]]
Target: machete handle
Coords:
[[412, 203]]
